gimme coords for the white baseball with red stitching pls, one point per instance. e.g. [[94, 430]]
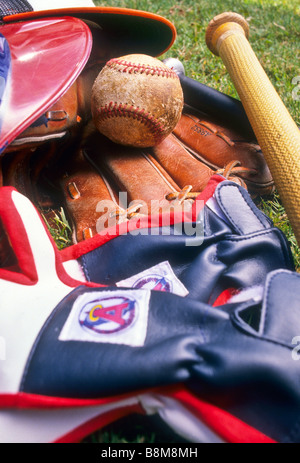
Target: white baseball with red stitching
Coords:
[[136, 100]]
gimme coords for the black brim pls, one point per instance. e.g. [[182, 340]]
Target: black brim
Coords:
[[135, 31]]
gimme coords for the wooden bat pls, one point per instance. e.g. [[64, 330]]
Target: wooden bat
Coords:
[[276, 132]]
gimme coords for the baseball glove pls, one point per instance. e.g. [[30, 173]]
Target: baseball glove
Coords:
[[99, 183]]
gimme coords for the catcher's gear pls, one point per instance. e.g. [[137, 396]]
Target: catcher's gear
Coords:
[[155, 315]]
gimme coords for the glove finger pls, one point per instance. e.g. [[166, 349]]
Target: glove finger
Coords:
[[217, 146]]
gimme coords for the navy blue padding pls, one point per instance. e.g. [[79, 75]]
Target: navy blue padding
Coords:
[[253, 373], [238, 356], [250, 373], [88, 369], [229, 255]]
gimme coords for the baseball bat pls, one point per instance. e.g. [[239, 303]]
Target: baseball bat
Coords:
[[276, 132], [214, 103]]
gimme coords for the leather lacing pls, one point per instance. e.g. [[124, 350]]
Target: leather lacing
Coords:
[[178, 197], [228, 172], [234, 167], [127, 214]]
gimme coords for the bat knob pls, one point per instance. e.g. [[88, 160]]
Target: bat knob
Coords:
[[223, 25]]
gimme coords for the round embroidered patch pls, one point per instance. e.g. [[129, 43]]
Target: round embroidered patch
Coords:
[[154, 282], [108, 315]]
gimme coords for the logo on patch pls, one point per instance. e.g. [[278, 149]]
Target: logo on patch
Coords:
[[154, 282], [108, 315]]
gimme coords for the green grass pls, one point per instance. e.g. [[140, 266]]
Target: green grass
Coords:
[[59, 228], [273, 208], [275, 38]]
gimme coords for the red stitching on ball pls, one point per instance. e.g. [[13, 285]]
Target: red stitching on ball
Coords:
[[127, 66], [120, 110]]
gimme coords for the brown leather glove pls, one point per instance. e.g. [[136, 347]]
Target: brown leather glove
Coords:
[[87, 180], [218, 146]]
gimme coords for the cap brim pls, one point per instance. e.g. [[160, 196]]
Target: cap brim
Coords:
[[136, 31], [42, 59]]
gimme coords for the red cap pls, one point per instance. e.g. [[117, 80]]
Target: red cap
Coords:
[[39, 60]]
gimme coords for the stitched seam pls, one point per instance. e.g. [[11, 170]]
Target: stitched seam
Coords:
[[246, 202], [228, 237], [112, 110], [216, 132], [137, 68], [85, 268], [257, 335], [266, 305], [159, 173]]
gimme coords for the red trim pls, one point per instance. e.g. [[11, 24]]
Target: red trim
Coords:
[[61, 273], [77, 250], [227, 426], [26, 273], [224, 297], [97, 423], [17, 236], [153, 221], [97, 10], [24, 400], [113, 109], [209, 190]]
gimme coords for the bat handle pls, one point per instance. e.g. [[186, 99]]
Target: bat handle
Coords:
[[276, 132]]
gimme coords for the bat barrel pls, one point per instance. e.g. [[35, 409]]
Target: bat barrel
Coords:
[[276, 132]]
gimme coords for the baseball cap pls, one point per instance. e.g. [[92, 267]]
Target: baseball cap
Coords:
[[39, 60], [135, 30]]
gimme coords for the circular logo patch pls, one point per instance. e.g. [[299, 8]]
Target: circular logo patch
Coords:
[[108, 315], [154, 282]]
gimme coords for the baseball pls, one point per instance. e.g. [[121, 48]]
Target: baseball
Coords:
[[136, 100]]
